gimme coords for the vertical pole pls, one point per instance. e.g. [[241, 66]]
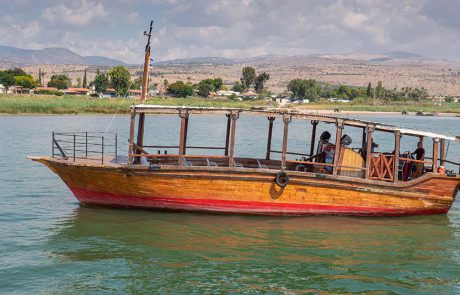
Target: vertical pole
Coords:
[[435, 154], [116, 145], [443, 152], [338, 135], [227, 134], [131, 137], [52, 144], [185, 134], [286, 120], [396, 156], [269, 139], [363, 142], [74, 141], [86, 144], [313, 137], [182, 114], [102, 159], [145, 79], [370, 130], [234, 116]]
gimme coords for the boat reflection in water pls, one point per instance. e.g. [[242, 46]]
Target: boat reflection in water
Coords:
[[172, 252]]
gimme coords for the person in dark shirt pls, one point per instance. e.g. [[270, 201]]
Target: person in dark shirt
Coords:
[[420, 156]]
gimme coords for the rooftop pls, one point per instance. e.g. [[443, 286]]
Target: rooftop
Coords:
[[295, 114]]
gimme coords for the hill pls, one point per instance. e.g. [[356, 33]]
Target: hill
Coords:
[[17, 57]]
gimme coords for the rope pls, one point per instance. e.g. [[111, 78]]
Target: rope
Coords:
[[118, 109]]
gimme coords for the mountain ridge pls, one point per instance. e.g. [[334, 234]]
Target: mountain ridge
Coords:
[[17, 57]]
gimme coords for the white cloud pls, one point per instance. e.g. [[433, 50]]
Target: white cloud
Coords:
[[82, 13], [233, 28]]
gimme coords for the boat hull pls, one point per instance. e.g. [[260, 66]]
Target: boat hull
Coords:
[[252, 192]]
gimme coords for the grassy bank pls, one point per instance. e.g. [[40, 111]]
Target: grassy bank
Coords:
[[50, 104], [45, 104]]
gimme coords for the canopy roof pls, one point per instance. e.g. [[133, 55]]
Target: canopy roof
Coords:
[[296, 114]]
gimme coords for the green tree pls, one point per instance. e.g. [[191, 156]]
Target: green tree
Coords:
[[369, 90], [344, 91], [60, 81], [238, 87], [380, 90], [209, 85], [85, 80], [120, 79], [449, 99], [248, 76], [137, 83], [26, 81], [6, 79], [304, 89], [260, 81], [101, 83], [180, 89], [78, 82], [40, 77]]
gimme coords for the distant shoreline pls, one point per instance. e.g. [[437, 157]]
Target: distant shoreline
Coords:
[[85, 105]]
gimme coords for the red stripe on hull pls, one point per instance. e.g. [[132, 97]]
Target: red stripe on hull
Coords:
[[89, 197]]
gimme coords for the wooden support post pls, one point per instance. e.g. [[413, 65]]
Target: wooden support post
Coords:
[[269, 139], [442, 152], [396, 156], [313, 137], [183, 115], [234, 116], [435, 154], [370, 130], [338, 136], [286, 120], [363, 142], [227, 135], [140, 132], [131, 136], [186, 133]]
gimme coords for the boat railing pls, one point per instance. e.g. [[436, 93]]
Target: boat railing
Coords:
[[91, 146]]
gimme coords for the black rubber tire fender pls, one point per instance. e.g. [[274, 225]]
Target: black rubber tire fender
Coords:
[[282, 179]]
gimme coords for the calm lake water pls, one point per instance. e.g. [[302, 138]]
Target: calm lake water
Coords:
[[51, 245]]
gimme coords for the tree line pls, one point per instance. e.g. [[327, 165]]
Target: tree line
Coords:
[[205, 87], [312, 90]]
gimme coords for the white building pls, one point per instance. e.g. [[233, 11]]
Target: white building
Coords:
[[2, 89], [227, 93]]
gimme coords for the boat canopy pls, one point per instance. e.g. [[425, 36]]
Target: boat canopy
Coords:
[[295, 114]]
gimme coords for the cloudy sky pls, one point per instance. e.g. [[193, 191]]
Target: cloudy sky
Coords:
[[233, 28]]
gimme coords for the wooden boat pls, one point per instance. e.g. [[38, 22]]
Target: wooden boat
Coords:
[[352, 182]]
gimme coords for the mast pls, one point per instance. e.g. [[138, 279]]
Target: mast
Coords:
[[145, 82]]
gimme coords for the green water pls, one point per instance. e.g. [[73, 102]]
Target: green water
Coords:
[[51, 245]]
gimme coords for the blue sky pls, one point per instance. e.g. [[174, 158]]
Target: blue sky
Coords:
[[233, 28]]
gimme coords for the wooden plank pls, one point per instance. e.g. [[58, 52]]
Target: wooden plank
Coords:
[[435, 154], [396, 157], [227, 134], [370, 130], [131, 136], [234, 116], [182, 115], [443, 152], [338, 135], [286, 120]]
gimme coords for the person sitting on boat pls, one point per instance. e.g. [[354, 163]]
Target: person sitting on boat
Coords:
[[419, 156], [374, 145], [329, 151], [323, 142], [345, 141]]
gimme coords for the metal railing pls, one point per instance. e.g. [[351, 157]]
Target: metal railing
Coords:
[[92, 146]]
